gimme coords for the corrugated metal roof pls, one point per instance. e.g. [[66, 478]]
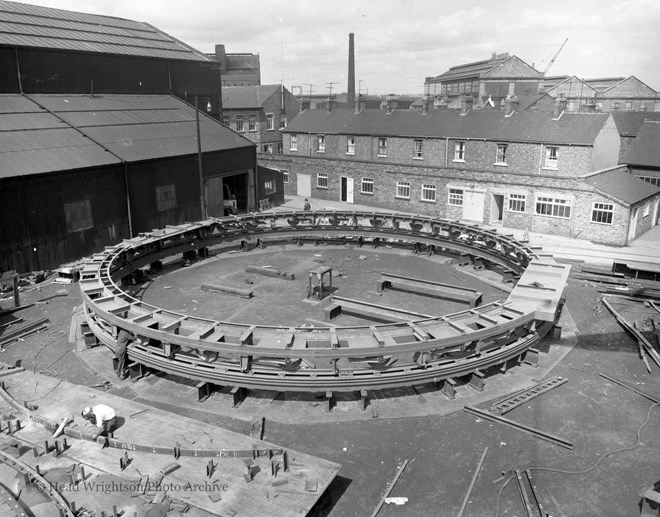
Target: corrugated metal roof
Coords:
[[247, 97], [622, 185], [33, 26], [575, 129], [645, 150], [49, 133], [467, 70]]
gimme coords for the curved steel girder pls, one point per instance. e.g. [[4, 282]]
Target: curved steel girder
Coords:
[[139, 252], [313, 380]]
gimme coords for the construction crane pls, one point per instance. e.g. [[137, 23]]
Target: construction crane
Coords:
[[554, 57]]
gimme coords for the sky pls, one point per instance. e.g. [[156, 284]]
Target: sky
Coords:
[[400, 43]]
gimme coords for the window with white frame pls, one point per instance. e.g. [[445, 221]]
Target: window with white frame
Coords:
[[240, 127], [551, 156], [322, 180], [78, 215], [455, 197], [165, 197], [294, 142], [459, 151], [269, 186], [320, 143], [418, 149], [285, 176], [367, 186], [350, 145], [553, 207], [268, 148], [382, 146], [252, 122], [428, 192], [500, 156], [403, 189], [282, 121], [270, 122], [602, 213], [226, 120], [647, 209], [517, 203]]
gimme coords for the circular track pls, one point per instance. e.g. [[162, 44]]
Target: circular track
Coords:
[[317, 359]]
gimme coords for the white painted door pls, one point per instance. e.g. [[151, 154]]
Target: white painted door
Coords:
[[473, 205], [304, 185], [350, 188]]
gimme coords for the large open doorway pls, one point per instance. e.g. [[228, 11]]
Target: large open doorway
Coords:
[[497, 209], [226, 195]]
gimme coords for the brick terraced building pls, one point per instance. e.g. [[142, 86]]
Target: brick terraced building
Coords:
[[538, 171]]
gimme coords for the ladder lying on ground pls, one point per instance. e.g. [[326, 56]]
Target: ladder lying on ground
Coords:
[[519, 398]]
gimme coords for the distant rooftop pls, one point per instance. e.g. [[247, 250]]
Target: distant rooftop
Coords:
[[32, 26]]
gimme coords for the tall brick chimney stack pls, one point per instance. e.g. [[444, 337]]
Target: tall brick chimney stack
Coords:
[[351, 70]]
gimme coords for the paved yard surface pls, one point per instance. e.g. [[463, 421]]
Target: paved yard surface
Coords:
[[614, 431]]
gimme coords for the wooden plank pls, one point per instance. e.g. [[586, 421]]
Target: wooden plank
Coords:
[[474, 480], [389, 489]]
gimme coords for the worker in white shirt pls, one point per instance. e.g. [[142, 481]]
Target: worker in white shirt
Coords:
[[102, 416]]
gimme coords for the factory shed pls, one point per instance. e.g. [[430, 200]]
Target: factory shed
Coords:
[[79, 172]]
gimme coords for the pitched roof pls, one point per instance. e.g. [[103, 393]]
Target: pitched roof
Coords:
[[473, 69], [32, 26], [530, 126], [622, 185], [645, 149], [50, 133], [629, 122], [247, 97]]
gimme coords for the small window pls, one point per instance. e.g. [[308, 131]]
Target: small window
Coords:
[[268, 148], [252, 122], [647, 209], [294, 142], [382, 147], [78, 215], [239, 123], [517, 203], [459, 151], [403, 189], [322, 180], [367, 186], [285, 176], [226, 120], [269, 187], [602, 213], [629, 106], [455, 197], [165, 197], [418, 149], [500, 157], [270, 123], [350, 145], [553, 207], [428, 192], [551, 154], [282, 121], [280, 148], [320, 143]]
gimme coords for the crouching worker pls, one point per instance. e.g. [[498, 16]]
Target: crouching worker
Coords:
[[103, 417]]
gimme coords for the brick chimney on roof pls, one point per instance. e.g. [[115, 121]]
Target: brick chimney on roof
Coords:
[[512, 105], [560, 107], [466, 104]]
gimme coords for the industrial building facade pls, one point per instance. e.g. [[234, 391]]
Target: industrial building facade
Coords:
[[542, 172], [100, 139]]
